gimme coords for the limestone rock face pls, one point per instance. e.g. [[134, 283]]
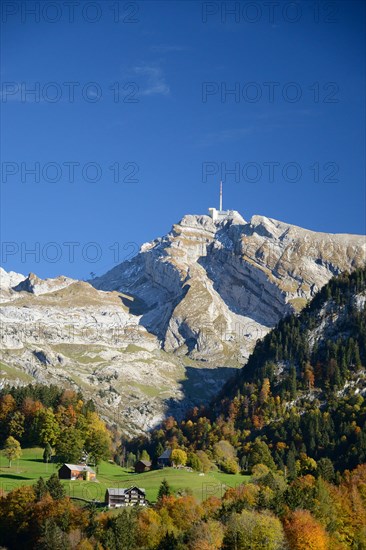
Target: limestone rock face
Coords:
[[35, 285], [163, 331], [211, 288]]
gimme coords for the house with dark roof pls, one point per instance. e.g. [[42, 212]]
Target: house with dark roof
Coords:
[[131, 496], [142, 466], [165, 458], [76, 471]]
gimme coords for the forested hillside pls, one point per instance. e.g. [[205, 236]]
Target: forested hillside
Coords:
[[300, 398]]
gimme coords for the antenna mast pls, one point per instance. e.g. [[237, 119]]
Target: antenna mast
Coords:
[[220, 196]]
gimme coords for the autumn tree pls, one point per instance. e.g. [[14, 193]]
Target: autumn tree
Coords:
[[12, 449], [7, 406], [16, 425], [16, 516], [265, 391], [179, 457], [304, 532], [305, 464], [145, 455], [64, 517], [151, 528], [98, 439], [184, 511], [48, 427], [243, 496], [205, 461], [206, 535], [69, 446], [309, 376], [260, 454], [252, 530], [223, 450], [225, 455], [194, 462]]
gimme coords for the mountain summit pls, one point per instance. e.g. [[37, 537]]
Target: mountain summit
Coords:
[[216, 283]]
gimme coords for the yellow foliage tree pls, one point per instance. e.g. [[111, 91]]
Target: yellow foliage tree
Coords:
[[179, 457]]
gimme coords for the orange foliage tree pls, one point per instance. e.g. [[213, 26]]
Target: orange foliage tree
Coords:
[[304, 532]]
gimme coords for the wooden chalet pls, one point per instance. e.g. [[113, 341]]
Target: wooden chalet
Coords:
[[132, 496]]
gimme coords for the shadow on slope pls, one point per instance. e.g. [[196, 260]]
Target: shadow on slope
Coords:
[[199, 387], [149, 292]]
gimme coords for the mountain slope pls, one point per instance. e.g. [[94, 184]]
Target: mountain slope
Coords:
[[151, 336], [68, 333], [321, 349]]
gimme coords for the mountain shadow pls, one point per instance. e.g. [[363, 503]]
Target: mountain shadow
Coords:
[[199, 387]]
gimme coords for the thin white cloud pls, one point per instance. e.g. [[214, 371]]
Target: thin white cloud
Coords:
[[155, 83]]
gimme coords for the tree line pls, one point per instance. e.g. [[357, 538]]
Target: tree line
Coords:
[[59, 420]]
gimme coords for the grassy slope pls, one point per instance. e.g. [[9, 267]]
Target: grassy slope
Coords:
[[12, 373], [30, 467]]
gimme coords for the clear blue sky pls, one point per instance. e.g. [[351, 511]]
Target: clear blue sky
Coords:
[[162, 54]]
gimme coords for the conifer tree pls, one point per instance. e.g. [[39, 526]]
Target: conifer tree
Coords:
[[164, 490]]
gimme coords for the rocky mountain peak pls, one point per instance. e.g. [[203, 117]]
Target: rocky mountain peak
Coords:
[[189, 303], [35, 285], [211, 223]]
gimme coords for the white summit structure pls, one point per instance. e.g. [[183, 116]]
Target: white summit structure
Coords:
[[218, 215]]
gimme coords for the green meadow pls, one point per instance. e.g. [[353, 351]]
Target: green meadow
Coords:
[[30, 467]]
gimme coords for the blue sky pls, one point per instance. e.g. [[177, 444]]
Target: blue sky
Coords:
[[152, 109]]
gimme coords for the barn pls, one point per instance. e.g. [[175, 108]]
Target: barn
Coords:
[[165, 458], [142, 466], [76, 471]]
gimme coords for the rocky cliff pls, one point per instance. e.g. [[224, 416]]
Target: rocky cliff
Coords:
[[212, 288]]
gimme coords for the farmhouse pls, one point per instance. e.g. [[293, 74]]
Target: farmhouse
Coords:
[[76, 471], [142, 466], [133, 496], [165, 458]]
